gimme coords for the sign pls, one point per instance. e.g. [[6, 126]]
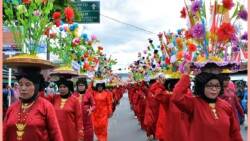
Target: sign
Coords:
[[10, 49], [89, 11]]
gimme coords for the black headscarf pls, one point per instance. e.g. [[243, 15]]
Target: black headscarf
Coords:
[[32, 74], [82, 81], [68, 84], [199, 85], [98, 85], [170, 83]]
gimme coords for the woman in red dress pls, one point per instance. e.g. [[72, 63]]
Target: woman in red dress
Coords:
[[172, 124], [87, 106], [102, 112], [32, 118], [211, 118], [152, 106], [68, 111]]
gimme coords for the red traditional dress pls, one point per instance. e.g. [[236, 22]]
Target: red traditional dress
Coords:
[[69, 116], [232, 99], [152, 108], [40, 120], [208, 122], [87, 104], [102, 112], [172, 124]]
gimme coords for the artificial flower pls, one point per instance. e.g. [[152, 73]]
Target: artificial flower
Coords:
[[196, 5], [69, 14], [243, 14], [228, 4], [183, 13], [198, 31], [225, 32]]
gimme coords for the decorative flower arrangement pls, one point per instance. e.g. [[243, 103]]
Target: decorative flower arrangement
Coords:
[[65, 39], [73, 46], [23, 18], [211, 40]]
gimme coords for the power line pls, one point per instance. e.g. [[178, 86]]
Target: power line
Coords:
[[116, 20]]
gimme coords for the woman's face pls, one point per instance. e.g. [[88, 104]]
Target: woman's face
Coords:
[[63, 89], [26, 88], [212, 89], [81, 87], [99, 88]]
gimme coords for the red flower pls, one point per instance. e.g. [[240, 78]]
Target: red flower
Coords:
[[56, 15], [225, 32], [191, 47], [57, 18], [183, 13], [167, 60], [188, 35], [86, 54], [26, 1], [228, 4], [69, 14]]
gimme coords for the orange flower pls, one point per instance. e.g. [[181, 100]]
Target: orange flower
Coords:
[[191, 47], [180, 55], [178, 41]]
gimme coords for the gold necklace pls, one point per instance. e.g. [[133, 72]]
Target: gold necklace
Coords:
[[63, 101], [21, 123], [213, 109]]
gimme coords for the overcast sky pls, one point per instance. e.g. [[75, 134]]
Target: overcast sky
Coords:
[[124, 42]]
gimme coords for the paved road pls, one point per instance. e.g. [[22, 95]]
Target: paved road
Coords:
[[123, 126]]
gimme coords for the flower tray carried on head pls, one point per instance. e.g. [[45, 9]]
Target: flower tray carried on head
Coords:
[[215, 62], [27, 60], [65, 71]]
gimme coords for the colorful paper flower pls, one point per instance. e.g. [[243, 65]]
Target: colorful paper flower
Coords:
[[69, 14], [196, 5], [76, 41], [225, 32], [93, 37], [179, 55], [243, 14], [228, 4], [37, 13], [198, 31], [192, 47], [183, 13], [26, 1], [188, 35], [244, 36], [167, 60], [57, 18]]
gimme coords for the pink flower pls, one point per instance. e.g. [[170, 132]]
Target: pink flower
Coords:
[[37, 13], [93, 37]]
